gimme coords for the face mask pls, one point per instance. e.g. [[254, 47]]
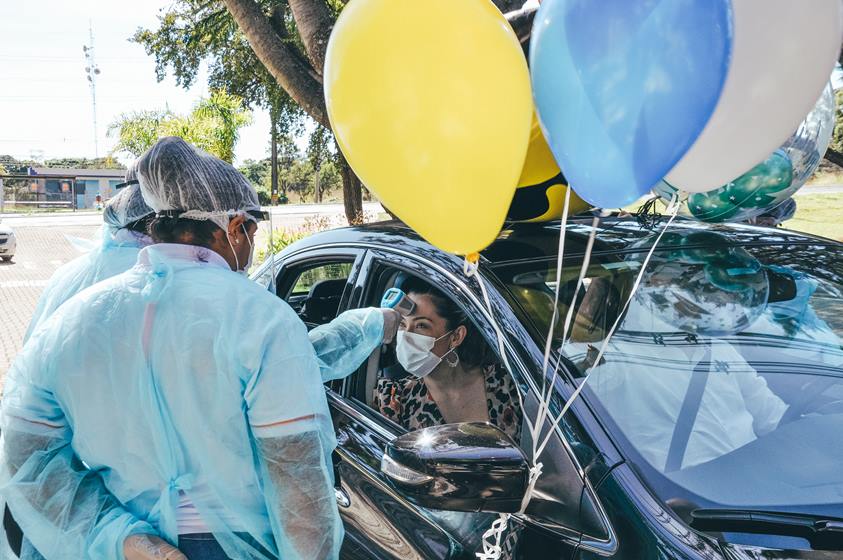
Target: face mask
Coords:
[[414, 352], [245, 271]]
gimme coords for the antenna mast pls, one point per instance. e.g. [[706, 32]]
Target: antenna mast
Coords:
[[92, 71]]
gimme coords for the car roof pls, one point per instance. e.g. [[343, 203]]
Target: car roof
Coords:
[[520, 242]]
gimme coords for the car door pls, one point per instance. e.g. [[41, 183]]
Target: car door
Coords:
[[380, 523]]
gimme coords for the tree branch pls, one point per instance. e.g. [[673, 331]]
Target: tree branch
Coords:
[[834, 157], [278, 20], [280, 58], [315, 21]]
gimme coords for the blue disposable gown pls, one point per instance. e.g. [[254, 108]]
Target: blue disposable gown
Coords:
[[177, 376], [116, 253]]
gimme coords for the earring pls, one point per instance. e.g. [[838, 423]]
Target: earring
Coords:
[[237, 242], [452, 362]]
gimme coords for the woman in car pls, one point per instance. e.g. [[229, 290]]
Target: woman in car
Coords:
[[452, 376]]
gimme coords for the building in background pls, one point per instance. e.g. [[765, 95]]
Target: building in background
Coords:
[[45, 187]]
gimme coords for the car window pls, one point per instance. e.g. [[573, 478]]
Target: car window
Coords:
[[263, 275], [308, 278], [314, 289], [485, 391], [726, 364]]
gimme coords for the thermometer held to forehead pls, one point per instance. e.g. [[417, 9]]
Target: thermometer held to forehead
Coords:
[[394, 298]]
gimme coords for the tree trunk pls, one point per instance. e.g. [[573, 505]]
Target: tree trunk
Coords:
[[281, 59], [352, 192], [834, 157], [315, 22]]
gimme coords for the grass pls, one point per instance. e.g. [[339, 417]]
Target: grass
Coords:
[[830, 177], [819, 214]]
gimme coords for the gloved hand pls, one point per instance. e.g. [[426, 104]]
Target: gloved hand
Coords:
[[391, 322], [150, 547]]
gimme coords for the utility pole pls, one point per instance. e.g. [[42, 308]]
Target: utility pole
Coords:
[[92, 71]]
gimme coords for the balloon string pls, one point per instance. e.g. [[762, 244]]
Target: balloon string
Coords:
[[555, 315], [492, 539], [674, 210], [546, 398], [471, 270]]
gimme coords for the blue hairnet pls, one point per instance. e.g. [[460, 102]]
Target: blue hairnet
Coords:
[[176, 176], [127, 206], [207, 387], [117, 252]]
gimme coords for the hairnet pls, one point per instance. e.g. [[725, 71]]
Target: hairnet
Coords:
[[128, 206], [178, 178]]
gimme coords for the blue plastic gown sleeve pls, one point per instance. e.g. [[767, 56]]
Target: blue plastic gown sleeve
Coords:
[[300, 497], [347, 341], [63, 507]]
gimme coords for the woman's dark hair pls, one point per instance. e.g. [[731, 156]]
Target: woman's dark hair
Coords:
[[165, 229], [142, 225], [474, 351]]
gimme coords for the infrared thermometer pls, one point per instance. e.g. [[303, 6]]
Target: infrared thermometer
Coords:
[[396, 299]]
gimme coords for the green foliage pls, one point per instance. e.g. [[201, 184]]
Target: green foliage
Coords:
[[193, 32], [281, 237], [213, 126], [837, 137], [138, 131]]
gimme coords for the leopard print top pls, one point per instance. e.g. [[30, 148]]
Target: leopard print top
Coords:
[[407, 402]]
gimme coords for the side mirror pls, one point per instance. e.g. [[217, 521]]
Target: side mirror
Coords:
[[458, 467]]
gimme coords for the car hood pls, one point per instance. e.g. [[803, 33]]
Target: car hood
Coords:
[[6, 230]]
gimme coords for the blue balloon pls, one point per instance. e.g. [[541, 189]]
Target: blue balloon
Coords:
[[623, 88]]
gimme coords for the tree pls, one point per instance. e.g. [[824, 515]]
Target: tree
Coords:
[[299, 178], [138, 131], [285, 39], [193, 32], [318, 154], [213, 126]]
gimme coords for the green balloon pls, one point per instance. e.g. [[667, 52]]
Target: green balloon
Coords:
[[764, 186]]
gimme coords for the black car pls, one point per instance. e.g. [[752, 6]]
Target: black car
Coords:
[[613, 484]]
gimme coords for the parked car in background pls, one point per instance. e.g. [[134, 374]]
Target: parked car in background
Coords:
[[608, 489], [8, 242]]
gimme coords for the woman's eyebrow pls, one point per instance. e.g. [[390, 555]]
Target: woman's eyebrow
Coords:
[[418, 318]]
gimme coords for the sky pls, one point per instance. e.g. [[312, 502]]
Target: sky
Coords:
[[45, 101]]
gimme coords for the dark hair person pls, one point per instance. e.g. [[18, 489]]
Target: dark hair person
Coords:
[[452, 374]]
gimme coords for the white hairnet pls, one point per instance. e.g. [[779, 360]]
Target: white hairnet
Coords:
[[181, 180], [128, 206]]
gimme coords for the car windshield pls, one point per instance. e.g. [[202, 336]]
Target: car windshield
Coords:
[[723, 383]]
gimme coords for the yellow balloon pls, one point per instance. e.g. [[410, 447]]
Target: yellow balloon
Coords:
[[540, 196], [430, 102]]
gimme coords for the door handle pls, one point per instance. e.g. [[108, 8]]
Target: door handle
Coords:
[[342, 498]]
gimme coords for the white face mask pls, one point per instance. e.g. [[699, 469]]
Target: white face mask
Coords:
[[245, 270], [414, 352]]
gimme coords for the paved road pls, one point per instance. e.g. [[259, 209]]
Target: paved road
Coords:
[[286, 215], [45, 242], [820, 189]]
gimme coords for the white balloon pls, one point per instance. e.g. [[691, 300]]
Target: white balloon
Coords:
[[782, 55]]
